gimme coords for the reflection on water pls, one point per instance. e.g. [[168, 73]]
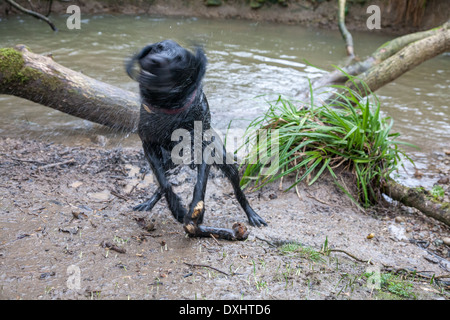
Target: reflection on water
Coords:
[[246, 60]]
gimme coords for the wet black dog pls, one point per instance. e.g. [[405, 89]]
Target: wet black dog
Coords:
[[170, 83]]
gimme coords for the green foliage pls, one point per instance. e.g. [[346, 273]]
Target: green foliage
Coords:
[[397, 286], [296, 249], [256, 4], [437, 192], [11, 63], [347, 133], [213, 3]]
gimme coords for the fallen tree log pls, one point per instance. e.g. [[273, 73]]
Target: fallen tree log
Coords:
[[384, 52], [404, 60], [39, 79], [420, 199]]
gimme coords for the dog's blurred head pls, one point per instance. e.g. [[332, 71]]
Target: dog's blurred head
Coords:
[[168, 73]]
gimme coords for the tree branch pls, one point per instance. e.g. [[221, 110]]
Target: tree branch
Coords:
[[343, 29], [404, 60], [419, 199], [384, 52], [32, 13]]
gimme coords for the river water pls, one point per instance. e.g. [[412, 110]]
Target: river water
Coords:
[[245, 60]]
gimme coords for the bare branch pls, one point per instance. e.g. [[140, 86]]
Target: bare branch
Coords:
[[32, 13]]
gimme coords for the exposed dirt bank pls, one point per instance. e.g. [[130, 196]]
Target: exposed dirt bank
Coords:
[[65, 212], [302, 12]]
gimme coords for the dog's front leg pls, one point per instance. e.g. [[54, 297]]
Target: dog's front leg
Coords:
[[197, 206], [194, 217], [152, 152]]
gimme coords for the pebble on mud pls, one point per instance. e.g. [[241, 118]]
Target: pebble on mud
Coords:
[[75, 184], [446, 240], [397, 233], [399, 219], [444, 180]]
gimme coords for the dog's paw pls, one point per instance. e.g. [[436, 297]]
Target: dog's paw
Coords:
[[144, 206], [256, 221]]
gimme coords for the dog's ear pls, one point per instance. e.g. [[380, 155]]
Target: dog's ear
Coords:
[[201, 62], [129, 65]]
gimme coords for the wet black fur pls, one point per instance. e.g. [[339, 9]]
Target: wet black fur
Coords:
[[170, 78]]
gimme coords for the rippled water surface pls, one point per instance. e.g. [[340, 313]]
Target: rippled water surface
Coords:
[[246, 60]]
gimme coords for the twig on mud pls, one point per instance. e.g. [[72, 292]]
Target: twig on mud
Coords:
[[270, 243], [214, 238], [111, 246], [350, 255], [312, 197], [51, 165], [132, 189], [205, 266], [27, 160], [118, 195], [298, 193], [277, 243]]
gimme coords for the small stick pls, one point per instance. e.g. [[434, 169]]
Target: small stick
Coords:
[[32, 13], [111, 246], [214, 238], [51, 165], [350, 255], [312, 197], [118, 195], [205, 266]]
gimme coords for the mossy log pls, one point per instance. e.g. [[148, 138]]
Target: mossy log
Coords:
[[404, 60], [40, 79], [435, 37], [420, 199]]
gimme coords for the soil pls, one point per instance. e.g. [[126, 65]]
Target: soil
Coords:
[[68, 232], [309, 13]]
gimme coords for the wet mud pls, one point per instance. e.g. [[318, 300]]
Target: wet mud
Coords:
[[67, 231]]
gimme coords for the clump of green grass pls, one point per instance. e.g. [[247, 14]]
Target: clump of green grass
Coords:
[[437, 192], [398, 286], [298, 250], [347, 133]]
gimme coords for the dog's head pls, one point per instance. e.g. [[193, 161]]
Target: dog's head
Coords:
[[168, 73]]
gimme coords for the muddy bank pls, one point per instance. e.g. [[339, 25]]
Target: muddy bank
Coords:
[[65, 214], [302, 12]]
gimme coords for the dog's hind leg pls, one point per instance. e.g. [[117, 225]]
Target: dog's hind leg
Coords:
[[153, 154], [231, 171], [150, 203]]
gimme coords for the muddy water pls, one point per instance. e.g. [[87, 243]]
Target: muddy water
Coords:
[[246, 60]]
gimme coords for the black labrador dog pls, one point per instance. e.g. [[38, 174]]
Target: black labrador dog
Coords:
[[170, 84]]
